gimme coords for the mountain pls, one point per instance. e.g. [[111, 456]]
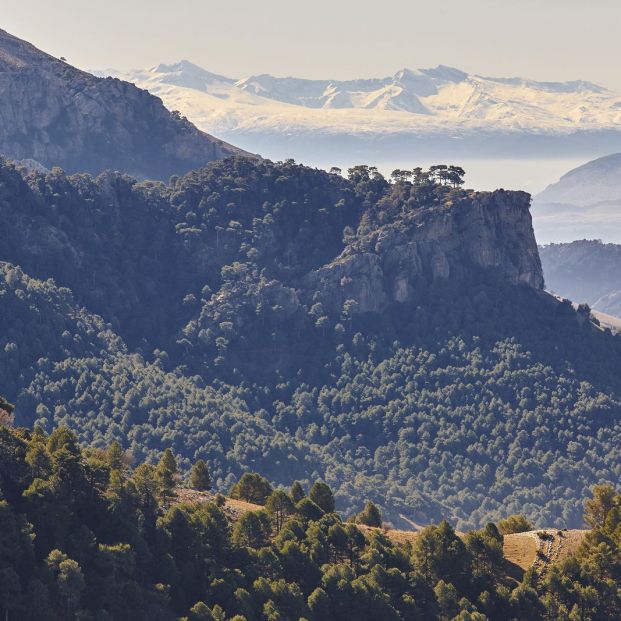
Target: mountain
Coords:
[[393, 339], [586, 271], [585, 202], [595, 182], [413, 113], [57, 115]]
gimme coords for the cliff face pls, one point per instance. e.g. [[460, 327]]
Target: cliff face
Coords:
[[487, 233], [60, 116], [176, 263]]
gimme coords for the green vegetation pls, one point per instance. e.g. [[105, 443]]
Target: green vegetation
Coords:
[[179, 317], [85, 536], [199, 476], [514, 524], [252, 487]]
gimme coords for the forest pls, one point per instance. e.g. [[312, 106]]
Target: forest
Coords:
[[181, 316], [91, 534]]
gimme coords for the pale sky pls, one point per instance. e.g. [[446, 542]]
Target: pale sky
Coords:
[[538, 39]]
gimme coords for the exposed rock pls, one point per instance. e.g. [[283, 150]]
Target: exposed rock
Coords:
[[283, 299], [489, 232], [57, 115]]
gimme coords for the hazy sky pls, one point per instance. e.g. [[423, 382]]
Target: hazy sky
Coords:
[[540, 39]]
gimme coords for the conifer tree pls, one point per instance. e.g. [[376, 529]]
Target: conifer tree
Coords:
[[165, 473], [370, 516], [199, 477], [322, 496], [296, 492]]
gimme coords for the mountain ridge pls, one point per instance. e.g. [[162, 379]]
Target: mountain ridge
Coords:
[[58, 115], [291, 321], [408, 112], [584, 203], [585, 271]]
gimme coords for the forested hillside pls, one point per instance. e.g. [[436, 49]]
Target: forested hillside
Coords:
[[389, 337], [92, 534], [585, 271]]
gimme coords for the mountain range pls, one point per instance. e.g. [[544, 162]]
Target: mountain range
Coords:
[[384, 350], [391, 337], [584, 203], [413, 112], [585, 271], [52, 114]]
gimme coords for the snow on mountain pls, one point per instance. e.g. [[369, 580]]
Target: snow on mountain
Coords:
[[411, 101]]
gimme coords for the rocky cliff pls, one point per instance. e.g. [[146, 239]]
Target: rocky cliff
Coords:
[[58, 115], [486, 233], [211, 315], [275, 243]]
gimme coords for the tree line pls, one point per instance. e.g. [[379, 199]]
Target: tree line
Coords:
[[87, 534]]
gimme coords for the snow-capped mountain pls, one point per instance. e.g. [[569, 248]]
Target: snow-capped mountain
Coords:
[[412, 109]]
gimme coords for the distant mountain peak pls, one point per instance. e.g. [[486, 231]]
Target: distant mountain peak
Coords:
[[586, 201], [594, 182], [407, 115], [182, 65], [190, 71], [449, 74]]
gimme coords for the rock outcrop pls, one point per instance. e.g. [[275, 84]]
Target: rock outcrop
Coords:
[[488, 232], [57, 115]]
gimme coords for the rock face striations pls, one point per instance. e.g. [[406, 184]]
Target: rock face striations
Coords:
[[487, 232], [57, 115]]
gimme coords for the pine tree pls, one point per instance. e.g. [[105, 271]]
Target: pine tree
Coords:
[[296, 493], [252, 487], [322, 496], [199, 476], [370, 516], [165, 473], [115, 456], [279, 506], [38, 458]]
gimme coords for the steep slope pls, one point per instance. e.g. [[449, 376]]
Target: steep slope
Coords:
[[68, 361], [585, 271], [57, 115], [584, 203], [488, 232], [413, 113], [391, 338]]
